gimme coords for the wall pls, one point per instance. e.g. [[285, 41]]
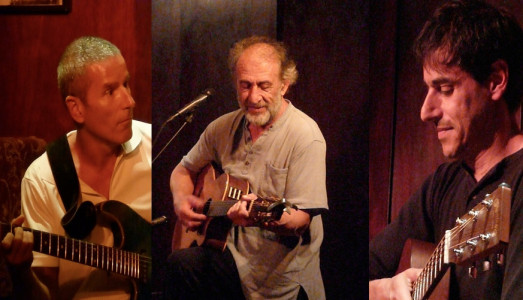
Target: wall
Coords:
[[31, 45]]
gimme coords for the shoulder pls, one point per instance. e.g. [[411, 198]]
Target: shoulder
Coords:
[[39, 170], [302, 126]]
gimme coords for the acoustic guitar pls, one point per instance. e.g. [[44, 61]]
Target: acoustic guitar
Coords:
[[130, 257], [484, 230], [219, 194]]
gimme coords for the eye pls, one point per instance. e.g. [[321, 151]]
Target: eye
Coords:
[[245, 85], [446, 89], [109, 92], [265, 86]]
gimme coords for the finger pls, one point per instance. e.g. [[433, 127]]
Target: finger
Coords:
[[18, 221], [243, 209], [194, 216], [249, 197], [7, 242]]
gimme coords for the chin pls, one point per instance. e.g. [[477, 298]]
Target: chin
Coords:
[[258, 120]]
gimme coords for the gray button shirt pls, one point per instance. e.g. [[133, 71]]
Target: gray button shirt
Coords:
[[286, 161]]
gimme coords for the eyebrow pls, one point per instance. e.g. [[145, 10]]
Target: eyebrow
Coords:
[[112, 84], [257, 83], [441, 80]]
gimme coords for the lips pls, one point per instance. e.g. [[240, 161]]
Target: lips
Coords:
[[443, 131], [256, 109]]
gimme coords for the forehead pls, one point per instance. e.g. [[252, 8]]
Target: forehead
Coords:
[[108, 68], [434, 73], [258, 60]]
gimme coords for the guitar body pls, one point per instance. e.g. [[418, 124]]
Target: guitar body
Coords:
[[131, 233], [415, 254], [131, 256], [213, 232]]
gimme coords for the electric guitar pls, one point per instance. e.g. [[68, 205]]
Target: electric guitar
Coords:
[[484, 230], [132, 239], [221, 193]]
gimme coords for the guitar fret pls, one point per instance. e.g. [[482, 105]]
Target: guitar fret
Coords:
[[65, 246]]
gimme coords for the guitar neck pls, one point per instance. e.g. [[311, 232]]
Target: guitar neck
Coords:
[[431, 274], [107, 258], [220, 208]]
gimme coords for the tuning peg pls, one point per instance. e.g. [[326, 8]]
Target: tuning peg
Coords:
[[486, 265], [473, 271], [500, 259]]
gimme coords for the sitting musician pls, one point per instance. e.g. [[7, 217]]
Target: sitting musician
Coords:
[[472, 66], [112, 158], [280, 151]]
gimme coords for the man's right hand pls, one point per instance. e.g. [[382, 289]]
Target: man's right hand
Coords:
[[186, 207], [398, 287], [17, 248]]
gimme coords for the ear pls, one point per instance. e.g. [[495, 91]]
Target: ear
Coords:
[[498, 79], [75, 107], [284, 87]]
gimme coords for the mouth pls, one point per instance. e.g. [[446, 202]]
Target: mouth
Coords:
[[443, 131], [127, 121], [256, 109]]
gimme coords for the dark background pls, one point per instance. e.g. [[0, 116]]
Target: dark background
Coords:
[[329, 41]]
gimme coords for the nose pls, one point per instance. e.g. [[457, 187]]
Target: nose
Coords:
[[254, 94], [128, 100], [430, 110]]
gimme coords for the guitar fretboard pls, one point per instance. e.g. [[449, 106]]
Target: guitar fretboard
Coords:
[[431, 273], [103, 257]]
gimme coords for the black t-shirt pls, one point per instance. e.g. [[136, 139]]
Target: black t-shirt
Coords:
[[444, 196]]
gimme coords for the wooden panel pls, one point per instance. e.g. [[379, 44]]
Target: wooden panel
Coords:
[[330, 43], [382, 100], [30, 103], [417, 151]]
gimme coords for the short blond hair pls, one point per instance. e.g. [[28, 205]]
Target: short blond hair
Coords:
[[81, 53]]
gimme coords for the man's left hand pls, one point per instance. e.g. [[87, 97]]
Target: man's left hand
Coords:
[[238, 212]]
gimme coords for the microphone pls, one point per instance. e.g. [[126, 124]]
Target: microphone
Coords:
[[193, 104]]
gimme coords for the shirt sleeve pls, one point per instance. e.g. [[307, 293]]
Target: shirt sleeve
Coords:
[[412, 222], [41, 206], [306, 178]]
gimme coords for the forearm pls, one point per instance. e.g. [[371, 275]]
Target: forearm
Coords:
[[181, 183]]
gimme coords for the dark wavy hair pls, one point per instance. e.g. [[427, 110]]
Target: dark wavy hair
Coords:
[[472, 35]]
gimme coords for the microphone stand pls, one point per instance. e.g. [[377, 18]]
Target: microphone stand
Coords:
[[188, 119]]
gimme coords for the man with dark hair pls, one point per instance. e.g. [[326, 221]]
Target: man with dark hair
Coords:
[[472, 63], [111, 156], [280, 152]]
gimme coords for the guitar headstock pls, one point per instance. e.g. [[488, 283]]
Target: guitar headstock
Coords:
[[268, 209], [482, 231]]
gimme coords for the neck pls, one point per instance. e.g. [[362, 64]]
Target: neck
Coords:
[[507, 140], [93, 151]]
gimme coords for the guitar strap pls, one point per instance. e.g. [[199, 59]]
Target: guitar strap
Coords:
[[80, 217]]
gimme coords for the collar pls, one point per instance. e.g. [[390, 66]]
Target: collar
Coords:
[[135, 140]]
